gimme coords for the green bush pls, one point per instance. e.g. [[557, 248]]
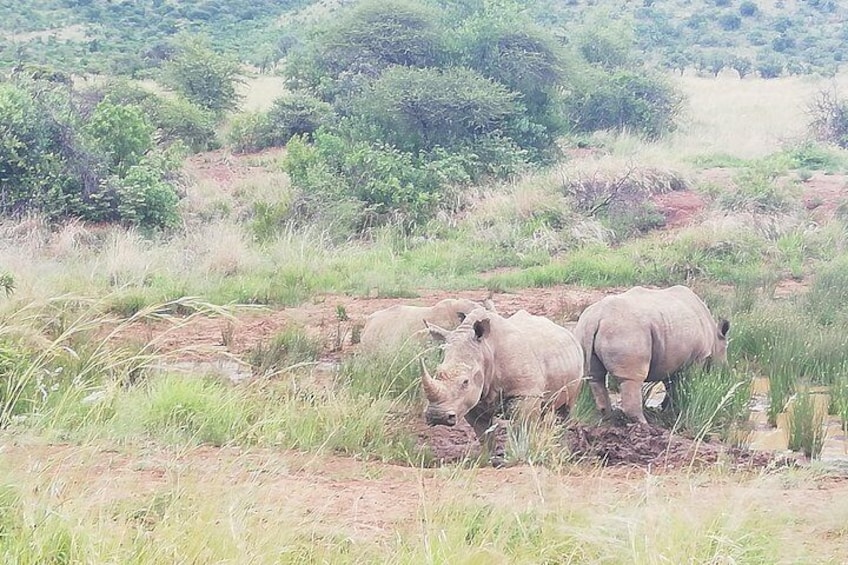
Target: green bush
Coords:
[[122, 133], [345, 57], [421, 109], [359, 184], [173, 117], [59, 162], [291, 114], [145, 198], [624, 99]]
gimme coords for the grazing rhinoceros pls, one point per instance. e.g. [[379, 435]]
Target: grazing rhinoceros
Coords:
[[646, 335], [393, 327], [489, 359]]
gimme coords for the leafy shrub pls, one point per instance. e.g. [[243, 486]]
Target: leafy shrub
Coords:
[[51, 163], [420, 109], [769, 66], [291, 114], [624, 100], [521, 56], [145, 198], [173, 117], [122, 132], [359, 184], [729, 22]]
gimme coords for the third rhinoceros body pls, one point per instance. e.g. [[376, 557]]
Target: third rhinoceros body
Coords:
[[646, 335]]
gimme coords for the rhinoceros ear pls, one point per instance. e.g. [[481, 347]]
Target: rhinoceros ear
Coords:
[[489, 305], [481, 328], [723, 328], [438, 334]]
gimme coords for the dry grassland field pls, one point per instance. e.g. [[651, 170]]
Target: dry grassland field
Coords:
[[203, 398]]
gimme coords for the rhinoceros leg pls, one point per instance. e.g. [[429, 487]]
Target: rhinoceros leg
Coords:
[[631, 400], [481, 420], [597, 383]]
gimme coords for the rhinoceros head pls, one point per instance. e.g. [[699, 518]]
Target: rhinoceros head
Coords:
[[459, 379]]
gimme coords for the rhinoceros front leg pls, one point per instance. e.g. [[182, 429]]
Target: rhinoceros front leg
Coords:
[[481, 420]]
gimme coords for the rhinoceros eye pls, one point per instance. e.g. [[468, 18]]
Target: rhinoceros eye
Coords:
[[465, 383]]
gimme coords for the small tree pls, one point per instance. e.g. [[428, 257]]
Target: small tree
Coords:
[[742, 65], [203, 76], [769, 66]]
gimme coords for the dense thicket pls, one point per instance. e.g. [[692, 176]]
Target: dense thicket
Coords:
[[92, 155], [406, 103]]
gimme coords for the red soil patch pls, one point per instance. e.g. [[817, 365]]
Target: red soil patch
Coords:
[[679, 207], [823, 194]]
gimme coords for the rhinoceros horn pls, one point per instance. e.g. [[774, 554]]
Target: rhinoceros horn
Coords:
[[432, 387]]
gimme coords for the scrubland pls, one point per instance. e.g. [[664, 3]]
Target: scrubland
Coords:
[[108, 455]]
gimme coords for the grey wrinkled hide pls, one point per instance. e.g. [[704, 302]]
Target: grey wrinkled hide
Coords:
[[391, 328], [646, 335], [489, 359]]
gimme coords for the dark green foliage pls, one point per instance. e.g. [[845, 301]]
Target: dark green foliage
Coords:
[[421, 109], [605, 48], [292, 114], [123, 133], [359, 185], [729, 22], [204, 77], [741, 65], [624, 99], [343, 58], [173, 117], [100, 167], [769, 66], [748, 9], [524, 58]]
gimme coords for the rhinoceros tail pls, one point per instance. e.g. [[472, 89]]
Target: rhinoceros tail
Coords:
[[587, 334]]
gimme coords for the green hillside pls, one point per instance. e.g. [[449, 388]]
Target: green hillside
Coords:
[[764, 37]]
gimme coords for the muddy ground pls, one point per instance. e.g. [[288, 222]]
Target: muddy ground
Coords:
[[652, 448]]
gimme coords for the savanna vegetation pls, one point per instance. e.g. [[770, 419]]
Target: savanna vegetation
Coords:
[[405, 149]]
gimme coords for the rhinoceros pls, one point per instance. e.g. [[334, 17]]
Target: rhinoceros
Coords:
[[393, 327], [490, 360], [646, 335]]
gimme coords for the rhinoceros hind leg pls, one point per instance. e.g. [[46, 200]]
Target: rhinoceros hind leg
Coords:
[[631, 400]]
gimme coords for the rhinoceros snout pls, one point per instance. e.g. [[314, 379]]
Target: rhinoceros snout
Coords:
[[439, 418]]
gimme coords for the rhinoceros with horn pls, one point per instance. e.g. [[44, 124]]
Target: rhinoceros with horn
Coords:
[[646, 335], [489, 359]]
